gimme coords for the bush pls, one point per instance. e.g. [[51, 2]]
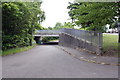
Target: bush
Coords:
[[14, 41], [46, 39]]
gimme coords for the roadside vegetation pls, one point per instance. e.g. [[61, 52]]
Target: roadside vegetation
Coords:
[[17, 50], [110, 44], [19, 22], [47, 39]]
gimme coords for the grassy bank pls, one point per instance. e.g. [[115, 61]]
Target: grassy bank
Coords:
[[16, 50], [57, 40], [110, 44]]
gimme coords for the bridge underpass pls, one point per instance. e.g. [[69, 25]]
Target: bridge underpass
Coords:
[[40, 34], [39, 39], [88, 40]]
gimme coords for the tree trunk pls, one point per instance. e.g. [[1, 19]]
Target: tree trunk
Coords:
[[95, 33], [118, 25], [119, 36], [31, 40]]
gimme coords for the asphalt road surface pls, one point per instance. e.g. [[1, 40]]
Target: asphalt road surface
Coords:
[[47, 61]]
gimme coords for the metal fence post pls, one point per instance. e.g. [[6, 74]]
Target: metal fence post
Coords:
[[91, 38], [100, 43]]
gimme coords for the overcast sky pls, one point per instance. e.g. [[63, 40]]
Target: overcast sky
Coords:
[[55, 11]]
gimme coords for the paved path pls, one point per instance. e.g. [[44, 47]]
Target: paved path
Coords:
[[50, 62], [89, 57]]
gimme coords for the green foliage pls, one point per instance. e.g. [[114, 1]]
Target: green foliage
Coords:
[[68, 25], [93, 14], [19, 21], [37, 26], [14, 41], [110, 44], [47, 39], [114, 25], [59, 25], [16, 50]]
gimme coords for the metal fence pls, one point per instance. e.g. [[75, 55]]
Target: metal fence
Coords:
[[92, 37], [89, 40]]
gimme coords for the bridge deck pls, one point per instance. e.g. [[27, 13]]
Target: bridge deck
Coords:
[[47, 35]]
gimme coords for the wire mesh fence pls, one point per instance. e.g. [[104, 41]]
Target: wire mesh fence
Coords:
[[92, 37], [89, 40]]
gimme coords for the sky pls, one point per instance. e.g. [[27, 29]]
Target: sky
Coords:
[[55, 11]]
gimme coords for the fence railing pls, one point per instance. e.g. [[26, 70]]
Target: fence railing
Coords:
[[92, 37]]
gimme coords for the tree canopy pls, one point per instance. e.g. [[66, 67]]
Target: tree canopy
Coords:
[[94, 15], [19, 21], [59, 25]]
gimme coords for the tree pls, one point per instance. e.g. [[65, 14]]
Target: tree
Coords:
[[68, 25], [37, 16], [93, 15], [58, 25], [19, 21], [118, 25]]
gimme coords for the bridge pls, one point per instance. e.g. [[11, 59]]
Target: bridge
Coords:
[[47, 33], [39, 34], [89, 40]]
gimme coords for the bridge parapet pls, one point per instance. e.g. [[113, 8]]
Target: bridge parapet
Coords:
[[48, 32]]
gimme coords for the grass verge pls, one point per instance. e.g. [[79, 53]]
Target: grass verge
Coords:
[[110, 44], [53, 40], [16, 50]]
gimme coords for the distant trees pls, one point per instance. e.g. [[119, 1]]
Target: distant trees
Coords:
[[19, 21], [94, 15], [59, 25]]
